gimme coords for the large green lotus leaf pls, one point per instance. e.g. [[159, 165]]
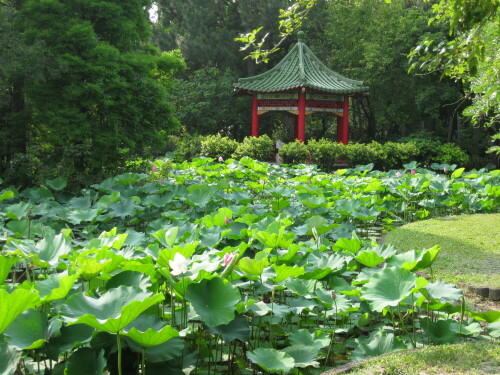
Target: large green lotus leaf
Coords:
[[85, 361], [252, 267], [213, 300], [273, 240], [17, 211], [237, 329], [70, 337], [170, 349], [129, 278], [338, 304], [442, 291], [283, 272], [55, 286], [219, 219], [442, 331], [494, 329], [29, 330], [304, 288], [408, 260], [352, 245], [167, 237], [428, 257], [369, 258], [111, 312], [487, 316], [130, 178], [303, 337], [271, 360], [6, 195], [379, 344], [48, 250], [314, 202], [57, 184], [6, 263], [9, 358], [149, 330], [303, 356], [13, 304], [79, 215], [166, 255], [123, 208], [200, 197], [388, 287]]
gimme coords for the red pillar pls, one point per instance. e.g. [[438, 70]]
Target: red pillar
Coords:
[[301, 133], [296, 127], [255, 117], [339, 128], [345, 121]]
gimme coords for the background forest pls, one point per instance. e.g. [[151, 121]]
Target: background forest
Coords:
[[87, 86]]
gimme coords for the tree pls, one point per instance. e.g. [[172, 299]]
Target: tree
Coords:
[[107, 95], [369, 40], [468, 53]]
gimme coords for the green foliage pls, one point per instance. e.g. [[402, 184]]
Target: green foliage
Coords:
[[275, 257], [398, 154], [186, 147], [294, 153], [259, 148], [215, 146], [450, 153], [325, 153], [360, 154], [104, 99]]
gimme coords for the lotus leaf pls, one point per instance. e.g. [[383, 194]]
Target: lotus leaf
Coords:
[[69, 338], [271, 359], [442, 331], [29, 330], [57, 184], [388, 287], [55, 286], [442, 291], [379, 344], [303, 356], [149, 330], [85, 361], [13, 304], [213, 300], [9, 358], [111, 312], [303, 337], [6, 263], [237, 329]]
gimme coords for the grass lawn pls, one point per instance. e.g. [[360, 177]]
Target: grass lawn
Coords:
[[470, 247], [461, 359]]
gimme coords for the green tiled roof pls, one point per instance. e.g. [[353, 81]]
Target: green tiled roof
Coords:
[[300, 68]]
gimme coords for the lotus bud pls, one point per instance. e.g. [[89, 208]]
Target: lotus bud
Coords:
[[221, 159], [228, 257], [413, 172]]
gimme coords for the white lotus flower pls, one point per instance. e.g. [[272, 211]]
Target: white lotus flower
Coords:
[[179, 265]]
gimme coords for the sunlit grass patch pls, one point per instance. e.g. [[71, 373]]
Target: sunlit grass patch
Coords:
[[470, 246]]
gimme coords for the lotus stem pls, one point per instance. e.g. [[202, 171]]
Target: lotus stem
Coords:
[[143, 362], [119, 344]]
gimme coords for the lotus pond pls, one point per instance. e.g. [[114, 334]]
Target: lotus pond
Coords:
[[236, 267]]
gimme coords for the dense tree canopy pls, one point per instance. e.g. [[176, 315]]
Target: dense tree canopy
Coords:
[[105, 94]]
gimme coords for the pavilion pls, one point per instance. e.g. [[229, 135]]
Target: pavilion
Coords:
[[301, 84]]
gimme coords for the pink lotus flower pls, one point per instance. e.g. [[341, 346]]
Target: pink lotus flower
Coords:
[[398, 174], [228, 257], [445, 169], [154, 168], [334, 296], [226, 220], [221, 159], [413, 172], [425, 166], [262, 182]]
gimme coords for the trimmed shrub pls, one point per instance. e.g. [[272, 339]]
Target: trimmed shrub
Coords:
[[187, 147], [378, 153], [398, 154], [326, 153], [294, 153], [450, 153], [259, 148], [427, 146], [214, 146], [358, 153]]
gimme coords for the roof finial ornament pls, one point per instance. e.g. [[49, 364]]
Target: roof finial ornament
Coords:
[[300, 36]]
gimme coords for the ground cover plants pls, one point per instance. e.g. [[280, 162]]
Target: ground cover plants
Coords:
[[229, 267]]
